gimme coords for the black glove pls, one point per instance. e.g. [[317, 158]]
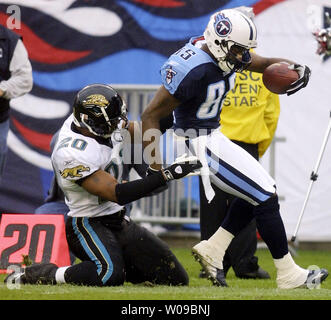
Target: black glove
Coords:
[[304, 75], [181, 169], [150, 171], [158, 190]]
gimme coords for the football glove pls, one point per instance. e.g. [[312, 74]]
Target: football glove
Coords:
[[181, 168], [304, 75], [158, 190]]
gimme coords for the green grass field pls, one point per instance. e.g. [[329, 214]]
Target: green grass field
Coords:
[[198, 289]]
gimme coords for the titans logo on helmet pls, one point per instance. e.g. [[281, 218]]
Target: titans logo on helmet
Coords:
[[222, 25]]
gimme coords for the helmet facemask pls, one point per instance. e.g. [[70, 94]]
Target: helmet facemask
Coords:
[[236, 57], [106, 126]]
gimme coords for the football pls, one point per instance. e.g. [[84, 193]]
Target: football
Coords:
[[278, 77]]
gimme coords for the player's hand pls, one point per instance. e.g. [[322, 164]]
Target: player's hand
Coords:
[[151, 171], [158, 190], [304, 75], [181, 168]]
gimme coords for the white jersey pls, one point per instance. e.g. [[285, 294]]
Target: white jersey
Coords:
[[76, 156]]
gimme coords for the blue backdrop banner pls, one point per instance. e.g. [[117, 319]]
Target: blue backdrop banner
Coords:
[[75, 43]]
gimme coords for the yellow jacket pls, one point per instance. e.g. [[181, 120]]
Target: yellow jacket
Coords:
[[250, 112]]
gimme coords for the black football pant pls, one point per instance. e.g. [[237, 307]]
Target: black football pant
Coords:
[[240, 253], [113, 250]]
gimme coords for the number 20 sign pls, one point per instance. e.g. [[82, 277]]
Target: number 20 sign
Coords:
[[41, 237]]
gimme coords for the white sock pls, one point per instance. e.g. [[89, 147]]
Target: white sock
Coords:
[[289, 274], [217, 245], [221, 239], [59, 274]]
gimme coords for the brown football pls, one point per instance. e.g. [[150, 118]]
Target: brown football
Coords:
[[278, 77]]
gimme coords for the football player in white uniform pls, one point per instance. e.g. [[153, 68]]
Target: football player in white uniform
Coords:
[[195, 81], [88, 168]]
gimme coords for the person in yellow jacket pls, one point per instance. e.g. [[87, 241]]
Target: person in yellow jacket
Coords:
[[249, 118], [250, 112]]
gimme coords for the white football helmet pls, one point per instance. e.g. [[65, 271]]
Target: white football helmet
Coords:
[[229, 36]]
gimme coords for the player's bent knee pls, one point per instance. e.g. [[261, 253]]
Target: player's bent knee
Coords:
[[116, 278], [182, 279], [84, 273], [269, 206], [176, 274]]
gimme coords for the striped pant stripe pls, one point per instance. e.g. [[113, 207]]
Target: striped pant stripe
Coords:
[[235, 179], [93, 247]]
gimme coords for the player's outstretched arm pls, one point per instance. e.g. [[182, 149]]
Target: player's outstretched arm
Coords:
[[104, 185], [259, 64], [162, 104]]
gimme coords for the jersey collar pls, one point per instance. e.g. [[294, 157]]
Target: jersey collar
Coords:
[[192, 43]]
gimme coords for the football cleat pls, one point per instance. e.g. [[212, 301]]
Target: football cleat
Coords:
[[311, 280], [16, 277], [39, 273], [212, 273], [202, 274], [315, 278]]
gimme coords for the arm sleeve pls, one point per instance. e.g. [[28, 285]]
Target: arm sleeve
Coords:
[[137, 189], [20, 68], [271, 116]]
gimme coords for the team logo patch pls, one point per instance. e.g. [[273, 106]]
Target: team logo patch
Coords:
[[222, 25], [179, 170], [96, 99], [170, 74], [74, 172]]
